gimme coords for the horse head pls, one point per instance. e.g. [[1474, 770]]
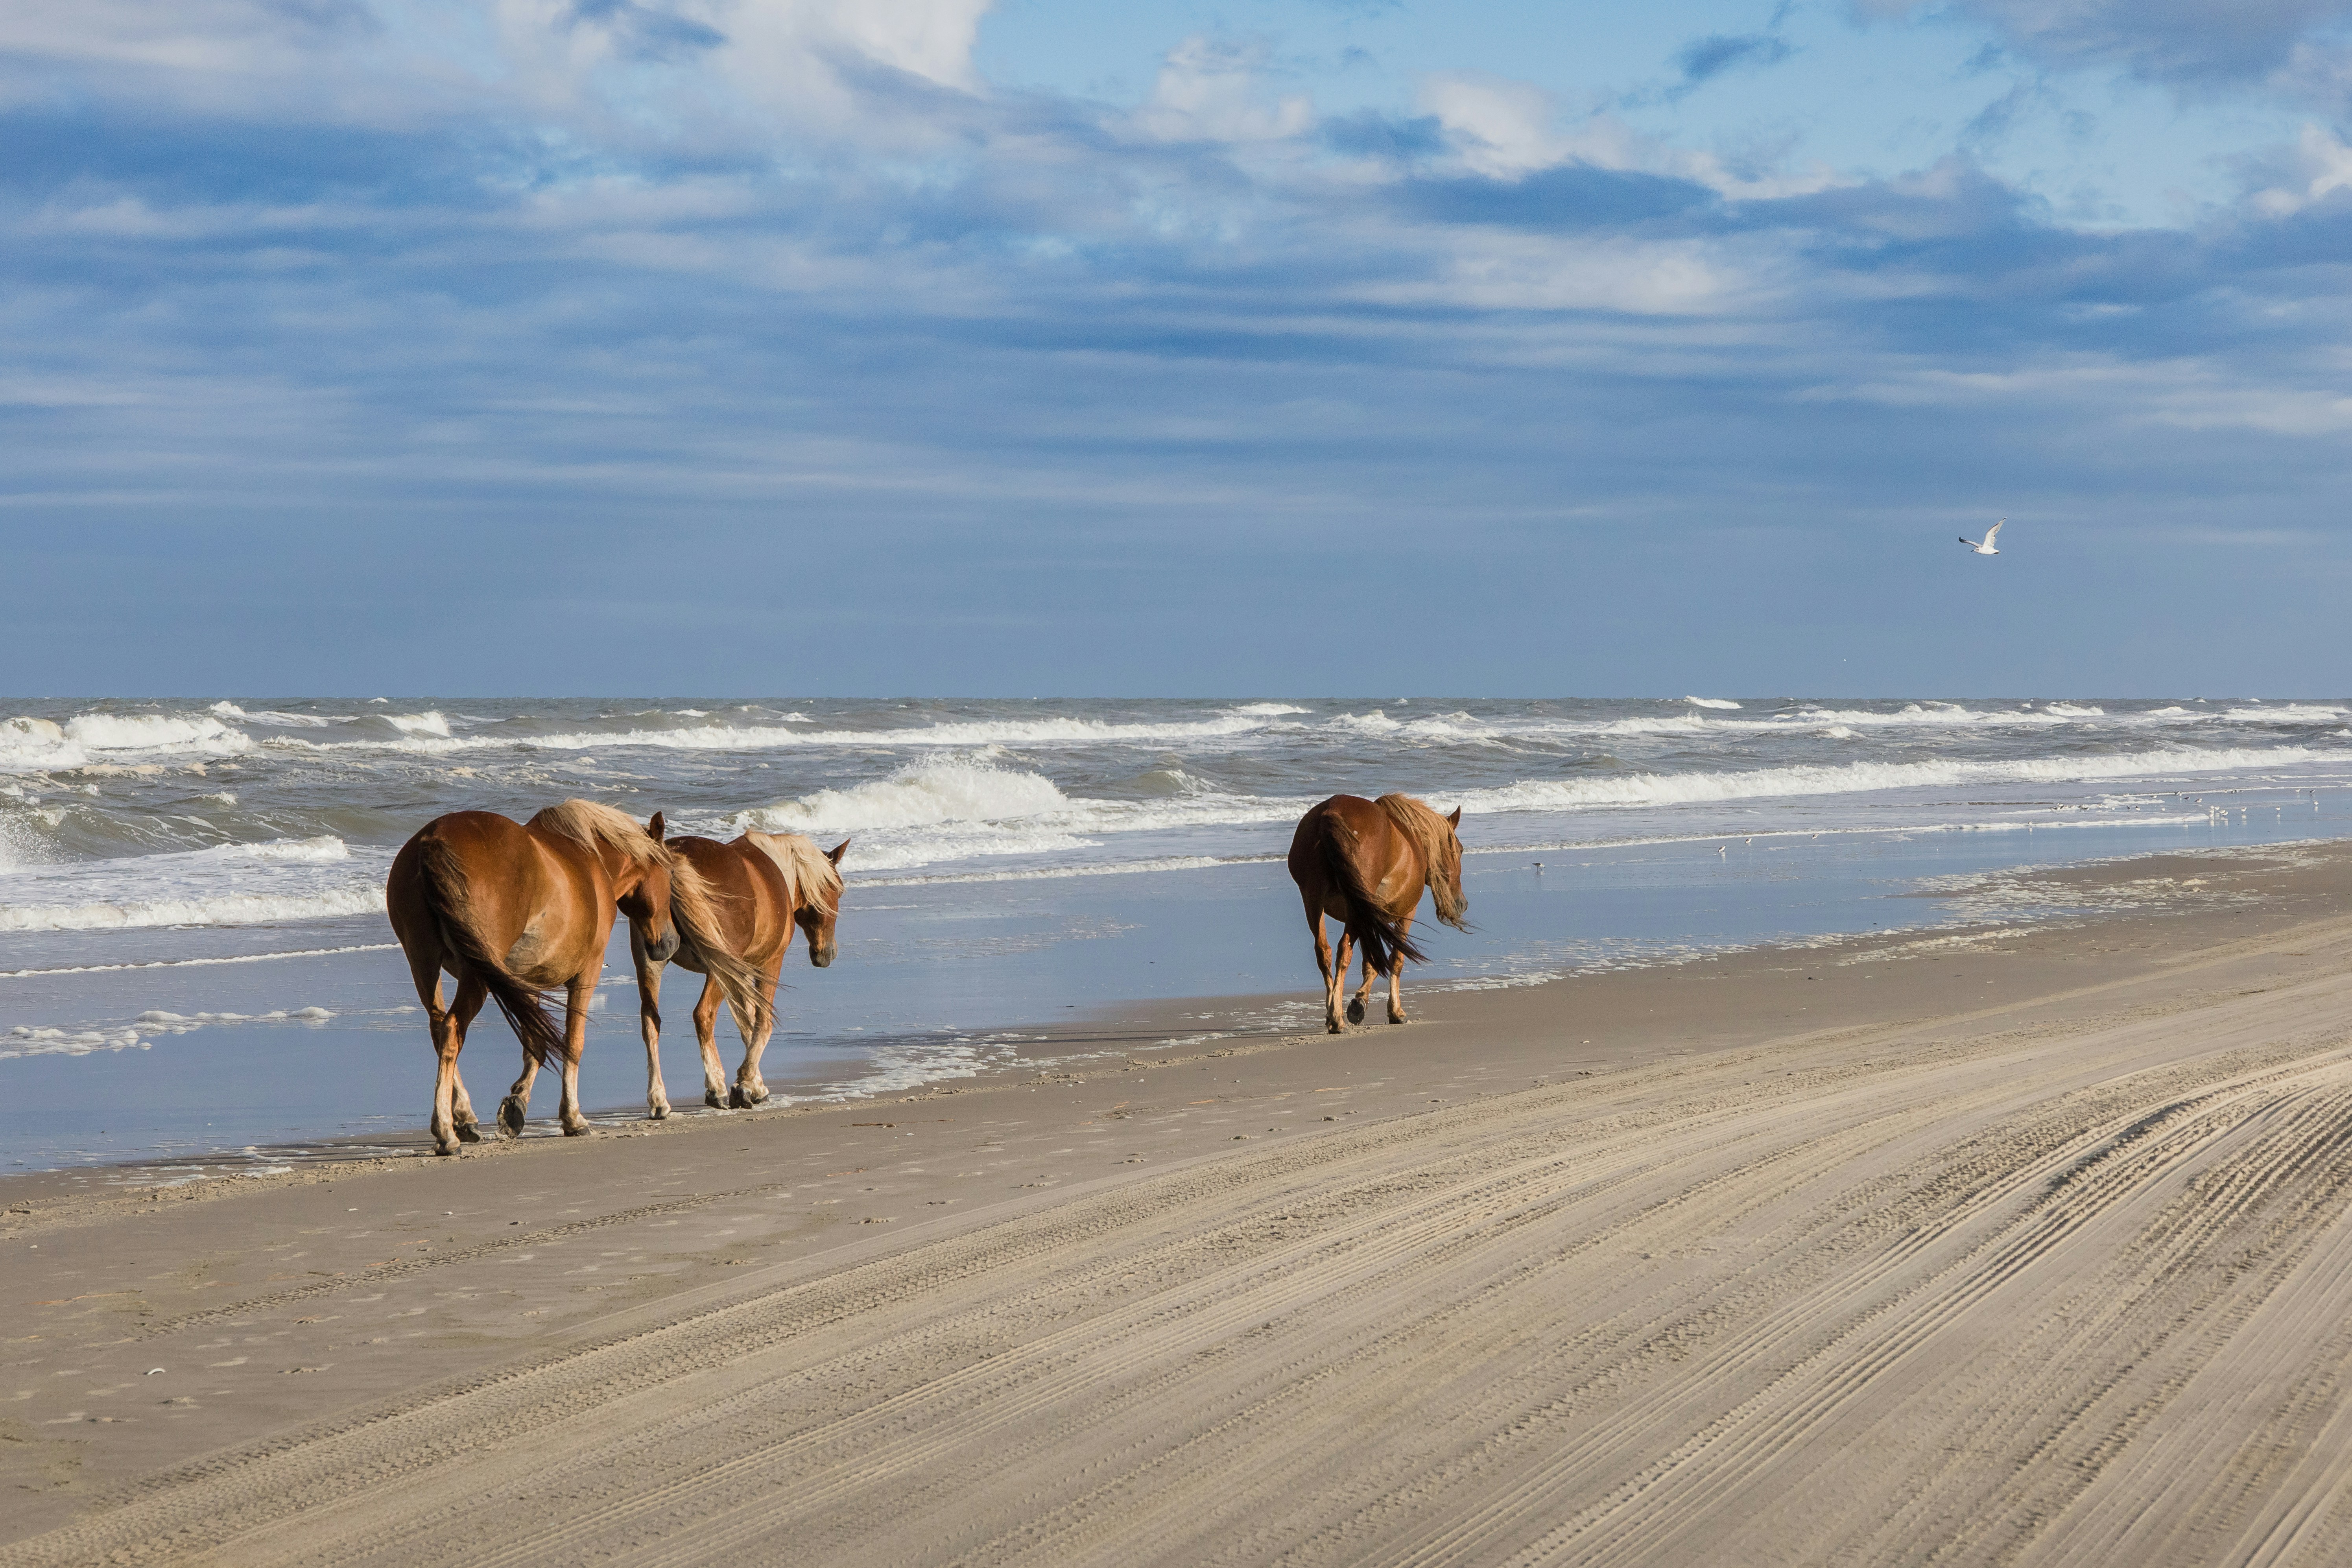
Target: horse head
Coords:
[[643, 886], [1439, 840], [1447, 893], [821, 908]]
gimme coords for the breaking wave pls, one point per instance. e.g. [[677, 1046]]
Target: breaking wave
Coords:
[[28, 745], [1851, 778], [230, 885], [935, 790], [949, 808]]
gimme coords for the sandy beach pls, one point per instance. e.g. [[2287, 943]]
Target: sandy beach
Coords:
[[2021, 1246]]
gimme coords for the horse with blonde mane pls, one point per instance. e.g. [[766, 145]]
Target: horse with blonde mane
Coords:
[[511, 910], [1364, 863], [766, 885]]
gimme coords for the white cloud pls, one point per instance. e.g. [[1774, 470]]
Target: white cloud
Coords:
[[1501, 128], [2180, 41], [2183, 393], [1502, 271], [1210, 90], [1506, 130], [2320, 165], [759, 65]]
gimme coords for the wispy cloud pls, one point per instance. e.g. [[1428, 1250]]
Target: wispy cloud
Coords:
[[1703, 58], [306, 306], [2190, 43]]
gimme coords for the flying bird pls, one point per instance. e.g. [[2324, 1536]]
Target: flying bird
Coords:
[[1987, 547]]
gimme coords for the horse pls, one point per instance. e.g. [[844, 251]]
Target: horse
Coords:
[[512, 909], [1364, 863], [766, 884]]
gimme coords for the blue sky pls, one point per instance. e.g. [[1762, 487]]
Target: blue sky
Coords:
[[1353, 346]]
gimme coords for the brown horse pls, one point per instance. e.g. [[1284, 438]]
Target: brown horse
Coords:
[[510, 909], [765, 885], [1364, 863]]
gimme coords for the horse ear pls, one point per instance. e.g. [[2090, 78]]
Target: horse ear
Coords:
[[1457, 818], [656, 827], [833, 854]]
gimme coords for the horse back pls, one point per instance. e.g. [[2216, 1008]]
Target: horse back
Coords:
[[1305, 859], [1383, 857], [517, 891]]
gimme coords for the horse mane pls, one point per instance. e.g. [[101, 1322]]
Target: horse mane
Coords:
[[806, 870], [691, 902], [694, 909], [1430, 834], [594, 824]]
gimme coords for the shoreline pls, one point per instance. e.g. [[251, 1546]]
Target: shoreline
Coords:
[[1161, 1024], [262, 1367]]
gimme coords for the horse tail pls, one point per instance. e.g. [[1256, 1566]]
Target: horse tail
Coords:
[[446, 895], [1378, 933]]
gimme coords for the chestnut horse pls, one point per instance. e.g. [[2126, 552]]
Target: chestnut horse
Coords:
[[1364, 863], [510, 909], [765, 884]]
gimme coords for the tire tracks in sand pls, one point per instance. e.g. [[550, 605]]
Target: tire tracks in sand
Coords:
[[2063, 1295]]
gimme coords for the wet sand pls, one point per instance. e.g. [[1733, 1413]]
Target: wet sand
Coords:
[[2021, 1246]]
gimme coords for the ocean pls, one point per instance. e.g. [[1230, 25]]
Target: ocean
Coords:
[[194, 964]]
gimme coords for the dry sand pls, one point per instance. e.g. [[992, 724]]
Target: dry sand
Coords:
[[2013, 1247]]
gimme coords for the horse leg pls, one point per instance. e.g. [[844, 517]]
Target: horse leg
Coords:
[[649, 1025], [1356, 1003], [705, 1032], [1396, 974], [516, 1104], [1339, 982], [471, 995], [1322, 959], [575, 1046], [424, 969], [751, 1088]]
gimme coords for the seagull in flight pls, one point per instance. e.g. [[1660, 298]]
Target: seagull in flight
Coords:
[[1987, 547]]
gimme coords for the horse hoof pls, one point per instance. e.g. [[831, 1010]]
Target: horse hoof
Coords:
[[657, 1113], [738, 1101], [511, 1116], [441, 1147], [1332, 1029], [1356, 1010], [713, 1099], [468, 1133], [579, 1131]]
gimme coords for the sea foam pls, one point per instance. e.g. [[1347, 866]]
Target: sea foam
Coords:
[[30, 744], [1854, 778], [934, 790], [227, 885], [764, 737]]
